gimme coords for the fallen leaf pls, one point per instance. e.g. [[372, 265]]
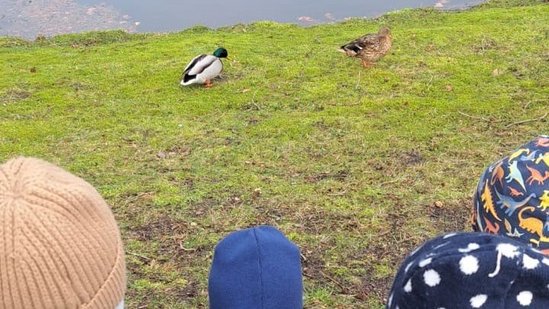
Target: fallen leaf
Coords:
[[161, 155], [256, 193]]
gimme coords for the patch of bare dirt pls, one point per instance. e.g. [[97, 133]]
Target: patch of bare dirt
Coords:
[[412, 157], [14, 95], [485, 44], [452, 216], [174, 152], [157, 228], [339, 175]]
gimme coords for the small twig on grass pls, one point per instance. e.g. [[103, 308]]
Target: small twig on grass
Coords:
[[303, 257], [473, 117], [384, 234], [391, 181], [527, 120], [430, 83], [253, 101], [308, 276], [530, 102], [344, 289], [139, 255], [338, 193], [186, 249]]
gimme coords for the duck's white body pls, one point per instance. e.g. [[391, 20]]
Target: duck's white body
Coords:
[[201, 69]]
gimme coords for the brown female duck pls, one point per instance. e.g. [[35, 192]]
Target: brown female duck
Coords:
[[370, 47]]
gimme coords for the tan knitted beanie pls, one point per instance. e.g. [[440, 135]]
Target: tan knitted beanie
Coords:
[[60, 246]]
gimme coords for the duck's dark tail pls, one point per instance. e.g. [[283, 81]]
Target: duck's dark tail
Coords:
[[188, 77]]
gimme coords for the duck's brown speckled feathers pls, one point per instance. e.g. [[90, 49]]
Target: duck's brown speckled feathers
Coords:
[[369, 47]]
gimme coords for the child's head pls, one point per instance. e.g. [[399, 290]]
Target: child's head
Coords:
[[256, 268], [60, 246], [472, 270], [512, 196]]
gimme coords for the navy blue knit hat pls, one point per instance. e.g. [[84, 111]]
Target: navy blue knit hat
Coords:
[[256, 268], [512, 196], [472, 270]]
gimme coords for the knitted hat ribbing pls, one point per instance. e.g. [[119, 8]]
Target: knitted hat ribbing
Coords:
[[60, 246], [256, 268]]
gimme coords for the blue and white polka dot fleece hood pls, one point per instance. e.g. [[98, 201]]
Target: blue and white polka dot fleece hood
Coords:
[[472, 270]]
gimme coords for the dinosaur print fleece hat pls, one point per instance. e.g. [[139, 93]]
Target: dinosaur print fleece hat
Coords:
[[512, 196], [472, 270], [256, 268]]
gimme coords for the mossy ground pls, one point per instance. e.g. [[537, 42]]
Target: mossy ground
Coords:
[[348, 162]]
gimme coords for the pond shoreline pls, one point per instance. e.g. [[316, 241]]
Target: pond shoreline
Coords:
[[29, 19]]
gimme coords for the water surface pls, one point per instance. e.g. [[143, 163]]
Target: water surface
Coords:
[[29, 18]]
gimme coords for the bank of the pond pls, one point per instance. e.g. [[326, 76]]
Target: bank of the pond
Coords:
[[356, 166], [29, 19]]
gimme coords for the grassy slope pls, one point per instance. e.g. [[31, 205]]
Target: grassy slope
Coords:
[[347, 162]]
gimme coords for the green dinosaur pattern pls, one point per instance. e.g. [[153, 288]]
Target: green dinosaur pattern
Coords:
[[513, 195]]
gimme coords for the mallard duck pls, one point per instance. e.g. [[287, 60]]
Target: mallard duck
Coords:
[[369, 47], [203, 68]]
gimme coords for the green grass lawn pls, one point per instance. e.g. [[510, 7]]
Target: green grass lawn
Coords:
[[348, 162]]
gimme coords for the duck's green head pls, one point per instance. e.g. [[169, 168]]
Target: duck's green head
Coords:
[[221, 53]]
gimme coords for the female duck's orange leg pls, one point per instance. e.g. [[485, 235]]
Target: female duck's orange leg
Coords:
[[208, 84], [366, 64]]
